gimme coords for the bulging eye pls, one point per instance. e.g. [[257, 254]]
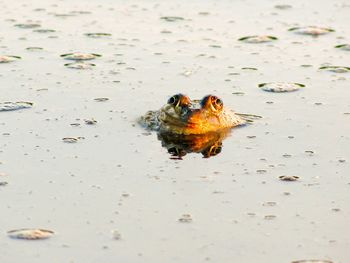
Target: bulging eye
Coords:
[[212, 102], [217, 103], [174, 100], [179, 100]]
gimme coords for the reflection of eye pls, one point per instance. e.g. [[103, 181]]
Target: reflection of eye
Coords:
[[175, 151], [217, 150], [212, 150], [174, 100]]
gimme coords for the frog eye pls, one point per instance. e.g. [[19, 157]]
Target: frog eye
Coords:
[[179, 100], [174, 100], [212, 102], [217, 103]]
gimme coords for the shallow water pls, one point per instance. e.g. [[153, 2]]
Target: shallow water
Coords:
[[118, 177]]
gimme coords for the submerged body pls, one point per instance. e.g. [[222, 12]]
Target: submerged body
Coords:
[[182, 116]]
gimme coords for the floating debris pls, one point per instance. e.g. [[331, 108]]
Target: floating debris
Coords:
[[30, 234], [12, 106], [90, 122], [28, 26], [101, 99], [280, 86], [185, 218], [336, 69], [258, 39], [80, 56], [312, 261], [344, 47], [8, 59], [98, 35], [172, 18], [289, 178], [311, 30], [80, 65]]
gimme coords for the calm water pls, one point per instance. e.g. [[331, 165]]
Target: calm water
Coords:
[[118, 177]]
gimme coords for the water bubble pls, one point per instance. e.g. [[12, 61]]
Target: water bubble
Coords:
[[258, 39], [280, 86], [80, 56], [344, 47], [336, 69], [80, 65], [289, 178], [311, 30], [312, 261], [12, 106], [30, 234], [8, 59], [70, 139], [90, 121]]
